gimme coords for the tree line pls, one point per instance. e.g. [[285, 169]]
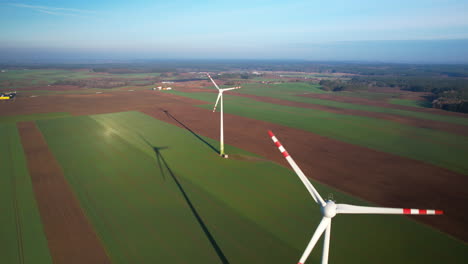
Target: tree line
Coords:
[[446, 93]]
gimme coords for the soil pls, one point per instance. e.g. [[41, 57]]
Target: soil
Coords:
[[378, 177], [70, 236], [96, 96], [190, 84]]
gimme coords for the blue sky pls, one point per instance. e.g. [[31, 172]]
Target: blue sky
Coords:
[[405, 31]]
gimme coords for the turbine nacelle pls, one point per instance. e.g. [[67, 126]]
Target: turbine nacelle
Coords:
[[329, 210], [220, 92]]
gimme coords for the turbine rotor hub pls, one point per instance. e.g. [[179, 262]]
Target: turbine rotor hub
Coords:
[[329, 210]]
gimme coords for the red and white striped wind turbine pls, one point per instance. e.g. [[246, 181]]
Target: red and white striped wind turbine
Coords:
[[220, 96], [330, 209]]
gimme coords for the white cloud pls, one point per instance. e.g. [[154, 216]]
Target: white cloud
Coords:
[[60, 11]]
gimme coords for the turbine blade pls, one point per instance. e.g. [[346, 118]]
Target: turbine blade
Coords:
[[313, 192], [326, 244], [353, 209], [318, 232], [232, 88], [217, 100], [209, 76]]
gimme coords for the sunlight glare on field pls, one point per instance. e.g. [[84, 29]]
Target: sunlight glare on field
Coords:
[[108, 131]]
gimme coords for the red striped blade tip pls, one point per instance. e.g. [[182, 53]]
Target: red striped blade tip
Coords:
[[271, 133], [422, 212]]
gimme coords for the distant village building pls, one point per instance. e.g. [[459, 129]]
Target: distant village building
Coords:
[[162, 88]]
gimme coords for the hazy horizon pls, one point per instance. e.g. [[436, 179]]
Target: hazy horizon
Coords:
[[368, 31]]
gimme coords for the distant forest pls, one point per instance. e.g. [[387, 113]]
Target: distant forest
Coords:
[[446, 92]]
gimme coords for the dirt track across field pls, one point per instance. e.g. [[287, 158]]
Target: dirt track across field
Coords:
[[70, 236], [379, 177]]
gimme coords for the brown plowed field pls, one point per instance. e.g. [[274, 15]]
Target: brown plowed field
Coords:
[[85, 104], [379, 177], [70, 236]]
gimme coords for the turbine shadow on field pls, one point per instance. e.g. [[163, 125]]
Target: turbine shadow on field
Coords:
[[162, 162], [158, 157], [190, 130]]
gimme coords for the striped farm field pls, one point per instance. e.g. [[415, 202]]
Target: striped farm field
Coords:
[[436, 147], [290, 91], [413, 103], [22, 238], [155, 193]]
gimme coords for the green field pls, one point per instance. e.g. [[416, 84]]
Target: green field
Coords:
[[367, 95], [439, 148], [289, 91], [157, 193], [414, 103], [22, 79], [22, 239], [285, 90], [31, 117], [279, 90]]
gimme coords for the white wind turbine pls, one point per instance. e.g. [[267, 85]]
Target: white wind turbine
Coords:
[[220, 97], [330, 209]]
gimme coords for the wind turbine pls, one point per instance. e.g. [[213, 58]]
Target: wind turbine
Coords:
[[330, 209], [220, 97]]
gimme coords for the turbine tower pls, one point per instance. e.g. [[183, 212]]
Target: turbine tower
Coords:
[[220, 97], [329, 209]]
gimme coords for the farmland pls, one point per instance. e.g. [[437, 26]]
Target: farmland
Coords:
[[55, 79], [31, 117], [137, 172], [369, 132], [282, 91], [143, 174], [22, 237], [407, 102]]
